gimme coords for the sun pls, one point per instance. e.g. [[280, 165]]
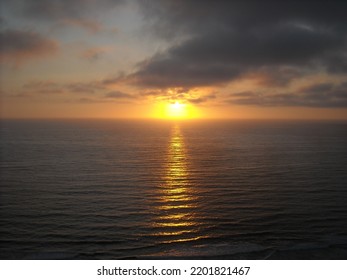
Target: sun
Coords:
[[177, 110]]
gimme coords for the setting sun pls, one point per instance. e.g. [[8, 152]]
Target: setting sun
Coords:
[[177, 110]]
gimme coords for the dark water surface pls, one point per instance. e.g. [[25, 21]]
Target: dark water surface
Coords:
[[141, 189]]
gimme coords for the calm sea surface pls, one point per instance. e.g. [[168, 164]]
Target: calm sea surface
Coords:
[[142, 189]]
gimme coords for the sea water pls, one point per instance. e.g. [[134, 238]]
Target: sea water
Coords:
[[119, 189]]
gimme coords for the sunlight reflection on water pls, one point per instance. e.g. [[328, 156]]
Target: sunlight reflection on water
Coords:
[[177, 216]]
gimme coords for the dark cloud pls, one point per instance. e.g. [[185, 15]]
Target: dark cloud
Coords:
[[19, 46], [227, 40], [322, 95], [195, 16], [166, 71]]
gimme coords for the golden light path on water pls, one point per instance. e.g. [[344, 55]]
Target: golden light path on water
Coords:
[[178, 202]]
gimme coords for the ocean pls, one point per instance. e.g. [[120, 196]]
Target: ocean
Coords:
[[126, 189]]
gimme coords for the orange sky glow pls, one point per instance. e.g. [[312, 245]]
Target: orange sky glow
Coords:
[[126, 59]]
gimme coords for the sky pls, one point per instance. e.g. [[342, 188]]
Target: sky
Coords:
[[173, 58]]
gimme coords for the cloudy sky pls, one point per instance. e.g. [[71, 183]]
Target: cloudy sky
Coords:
[[128, 58]]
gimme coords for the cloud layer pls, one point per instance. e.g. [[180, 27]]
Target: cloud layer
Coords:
[[254, 53], [324, 95], [19, 46], [227, 40]]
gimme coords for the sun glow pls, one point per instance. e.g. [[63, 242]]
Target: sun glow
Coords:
[[176, 110]]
